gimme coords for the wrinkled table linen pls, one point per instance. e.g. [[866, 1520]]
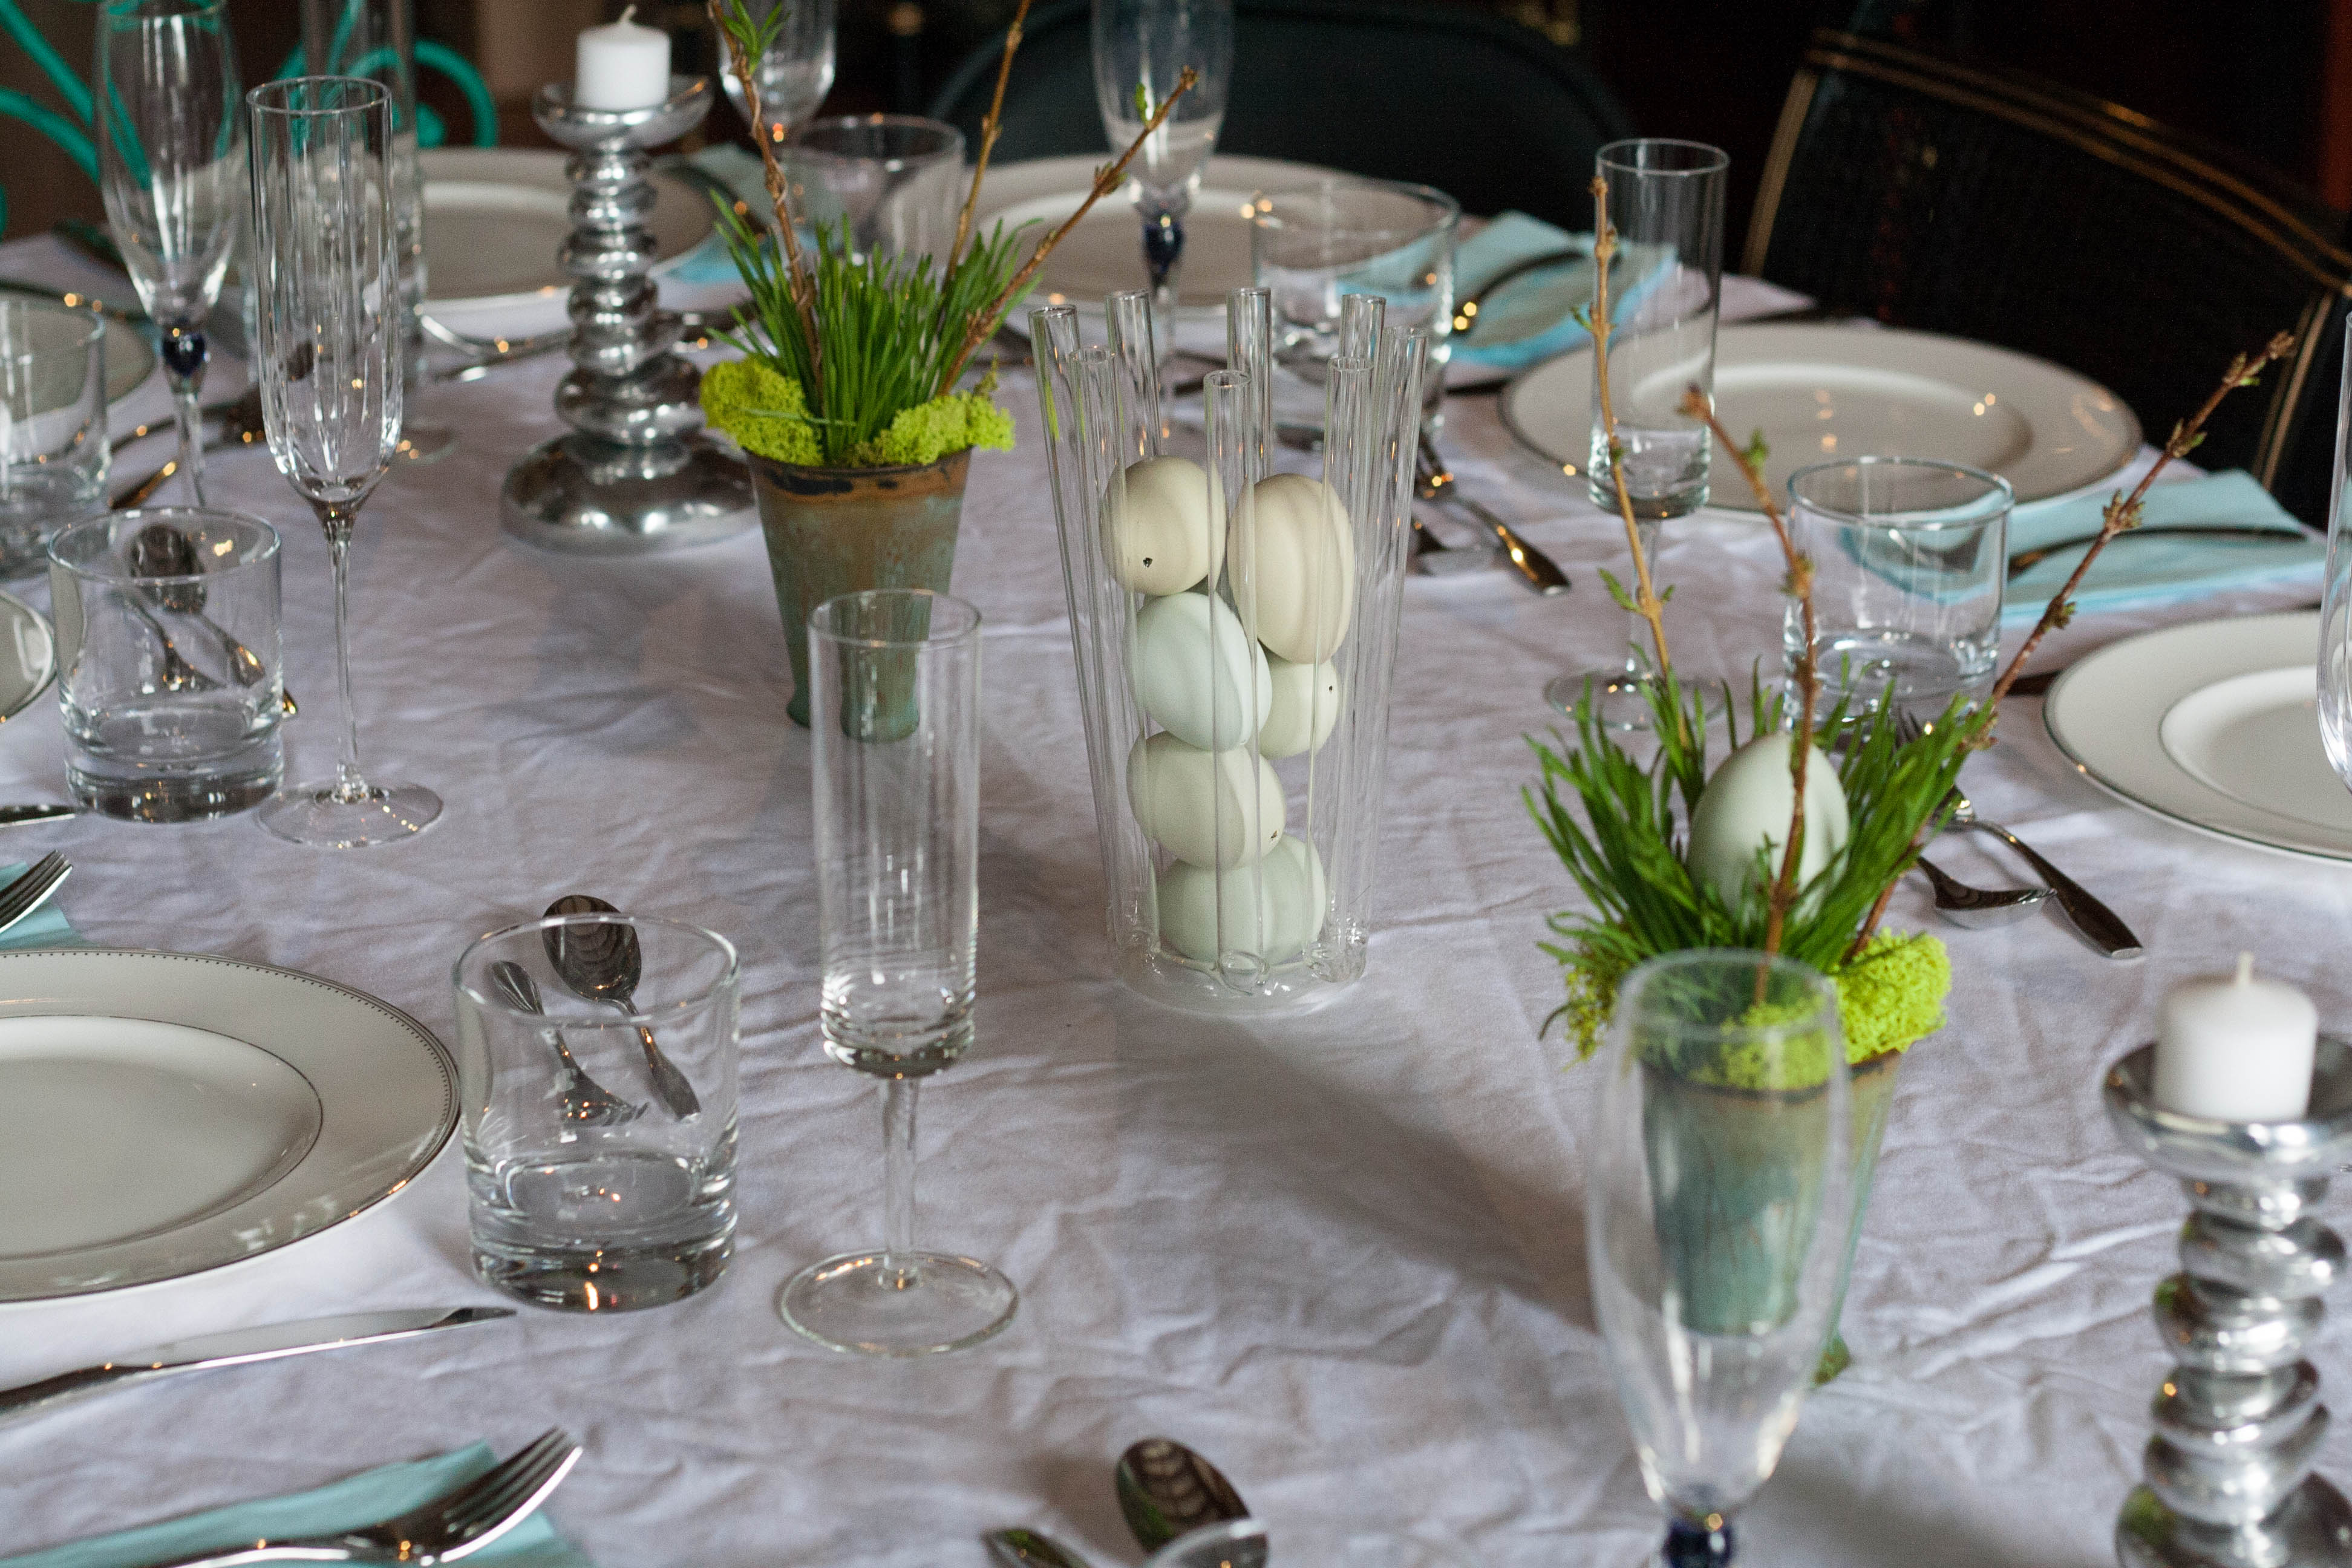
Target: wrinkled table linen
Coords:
[[1343, 1255]]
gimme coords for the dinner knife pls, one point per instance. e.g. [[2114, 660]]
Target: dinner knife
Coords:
[[10, 816], [236, 1347], [2022, 561]]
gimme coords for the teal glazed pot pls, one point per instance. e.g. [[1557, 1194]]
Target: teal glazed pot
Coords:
[[843, 530]]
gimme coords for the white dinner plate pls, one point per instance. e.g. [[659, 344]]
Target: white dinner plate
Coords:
[[1820, 391], [2214, 726], [494, 219], [1105, 253], [169, 1113], [28, 655], [130, 361]]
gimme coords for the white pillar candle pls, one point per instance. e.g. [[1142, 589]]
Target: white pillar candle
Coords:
[[622, 66], [2235, 1049]]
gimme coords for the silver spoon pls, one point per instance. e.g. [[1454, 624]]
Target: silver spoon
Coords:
[[2099, 925], [602, 963], [1980, 908], [1030, 1549], [1166, 1490], [585, 1102], [1433, 478], [160, 549]]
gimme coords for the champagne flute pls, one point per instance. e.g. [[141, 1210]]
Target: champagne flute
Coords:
[[1142, 47], [171, 147], [1717, 1203], [328, 311], [894, 725], [795, 71]]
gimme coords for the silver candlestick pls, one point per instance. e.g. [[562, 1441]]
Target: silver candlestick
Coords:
[[635, 475], [2229, 1472]]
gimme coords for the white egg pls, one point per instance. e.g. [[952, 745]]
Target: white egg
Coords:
[[1180, 793], [1294, 567], [1197, 906], [1745, 807], [1306, 705], [1164, 527], [1297, 893], [1197, 673]]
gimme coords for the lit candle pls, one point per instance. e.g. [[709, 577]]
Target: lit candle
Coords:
[[622, 66], [2235, 1049]]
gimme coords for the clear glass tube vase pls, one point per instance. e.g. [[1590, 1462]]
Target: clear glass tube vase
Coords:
[[1234, 628]]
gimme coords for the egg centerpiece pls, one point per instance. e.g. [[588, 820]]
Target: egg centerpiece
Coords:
[[1197, 673], [1294, 567], [1163, 527], [1745, 807], [1182, 796]]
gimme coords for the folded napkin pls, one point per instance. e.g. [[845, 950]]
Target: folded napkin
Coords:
[[45, 927], [2138, 571], [1528, 318], [357, 1501]]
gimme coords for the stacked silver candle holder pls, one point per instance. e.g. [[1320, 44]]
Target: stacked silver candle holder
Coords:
[[635, 475], [2238, 1421]]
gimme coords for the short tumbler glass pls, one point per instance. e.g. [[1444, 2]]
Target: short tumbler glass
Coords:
[[1909, 557], [1313, 246], [588, 1192], [169, 675], [53, 447], [900, 180]]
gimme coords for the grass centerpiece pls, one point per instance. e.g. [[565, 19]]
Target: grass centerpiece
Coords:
[[850, 400], [1775, 844]]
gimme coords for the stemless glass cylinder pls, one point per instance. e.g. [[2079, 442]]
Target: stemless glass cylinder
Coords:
[[171, 148], [53, 446], [1234, 633], [898, 180], [1718, 1198], [1141, 49], [894, 724]]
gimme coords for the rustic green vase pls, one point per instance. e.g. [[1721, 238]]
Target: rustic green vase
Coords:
[[842, 530]]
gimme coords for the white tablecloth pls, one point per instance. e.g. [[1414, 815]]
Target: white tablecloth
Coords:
[[1344, 1256]]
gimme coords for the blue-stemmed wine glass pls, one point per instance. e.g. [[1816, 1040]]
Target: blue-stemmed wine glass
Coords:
[[1141, 49]]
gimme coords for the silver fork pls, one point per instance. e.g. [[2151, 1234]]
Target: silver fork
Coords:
[[32, 890], [455, 1525]]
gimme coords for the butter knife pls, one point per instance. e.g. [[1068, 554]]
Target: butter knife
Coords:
[[236, 1347]]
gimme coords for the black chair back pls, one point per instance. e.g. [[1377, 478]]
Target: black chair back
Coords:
[[1936, 195], [1491, 113]]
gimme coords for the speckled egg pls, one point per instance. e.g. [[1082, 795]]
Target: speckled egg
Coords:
[[1197, 673], [1177, 793], [1305, 707], [1167, 532], [1293, 566]]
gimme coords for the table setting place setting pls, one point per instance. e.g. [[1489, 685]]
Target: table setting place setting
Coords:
[[786, 592]]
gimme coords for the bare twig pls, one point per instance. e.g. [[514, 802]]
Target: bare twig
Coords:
[[1782, 897], [2122, 512], [1107, 178], [989, 128], [1646, 603], [803, 282]]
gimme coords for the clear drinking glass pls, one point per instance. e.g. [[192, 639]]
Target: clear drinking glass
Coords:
[[2335, 602], [894, 726], [169, 677], [1666, 201], [326, 307], [1718, 1197], [172, 167], [796, 71], [53, 447], [377, 39], [1142, 47], [587, 1193], [1314, 248], [898, 178], [1909, 557]]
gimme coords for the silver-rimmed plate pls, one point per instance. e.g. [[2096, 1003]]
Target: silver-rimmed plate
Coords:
[[1820, 391], [171, 1113], [28, 655], [2213, 726]]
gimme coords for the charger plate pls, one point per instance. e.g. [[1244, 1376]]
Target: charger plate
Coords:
[[2213, 726], [171, 1113], [1821, 392]]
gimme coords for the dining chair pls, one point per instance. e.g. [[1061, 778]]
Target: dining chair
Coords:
[[1952, 198], [1491, 113]]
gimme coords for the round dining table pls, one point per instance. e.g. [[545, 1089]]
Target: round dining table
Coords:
[[1342, 1255]]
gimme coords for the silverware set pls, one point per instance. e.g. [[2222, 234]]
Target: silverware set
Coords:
[[604, 963]]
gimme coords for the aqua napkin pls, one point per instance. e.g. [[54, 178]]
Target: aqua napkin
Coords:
[[359, 1499], [2134, 572], [1528, 319], [45, 927]]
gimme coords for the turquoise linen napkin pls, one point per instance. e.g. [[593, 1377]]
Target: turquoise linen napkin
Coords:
[[1528, 319], [2137, 573], [45, 927], [347, 1504]]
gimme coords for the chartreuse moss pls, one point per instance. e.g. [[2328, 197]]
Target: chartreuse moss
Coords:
[[766, 413]]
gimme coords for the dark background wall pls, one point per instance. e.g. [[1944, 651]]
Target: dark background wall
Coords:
[[2271, 77]]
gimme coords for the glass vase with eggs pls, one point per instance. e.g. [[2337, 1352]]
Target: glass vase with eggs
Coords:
[[1234, 630]]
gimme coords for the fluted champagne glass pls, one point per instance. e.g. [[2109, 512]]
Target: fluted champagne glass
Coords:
[[328, 313], [1141, 49], [171, 149], [1717, 1202]]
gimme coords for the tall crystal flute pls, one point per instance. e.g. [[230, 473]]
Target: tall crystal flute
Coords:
[[171, 148], [1717, 1201], [1142, 47], [328, 313], [894, 725]]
